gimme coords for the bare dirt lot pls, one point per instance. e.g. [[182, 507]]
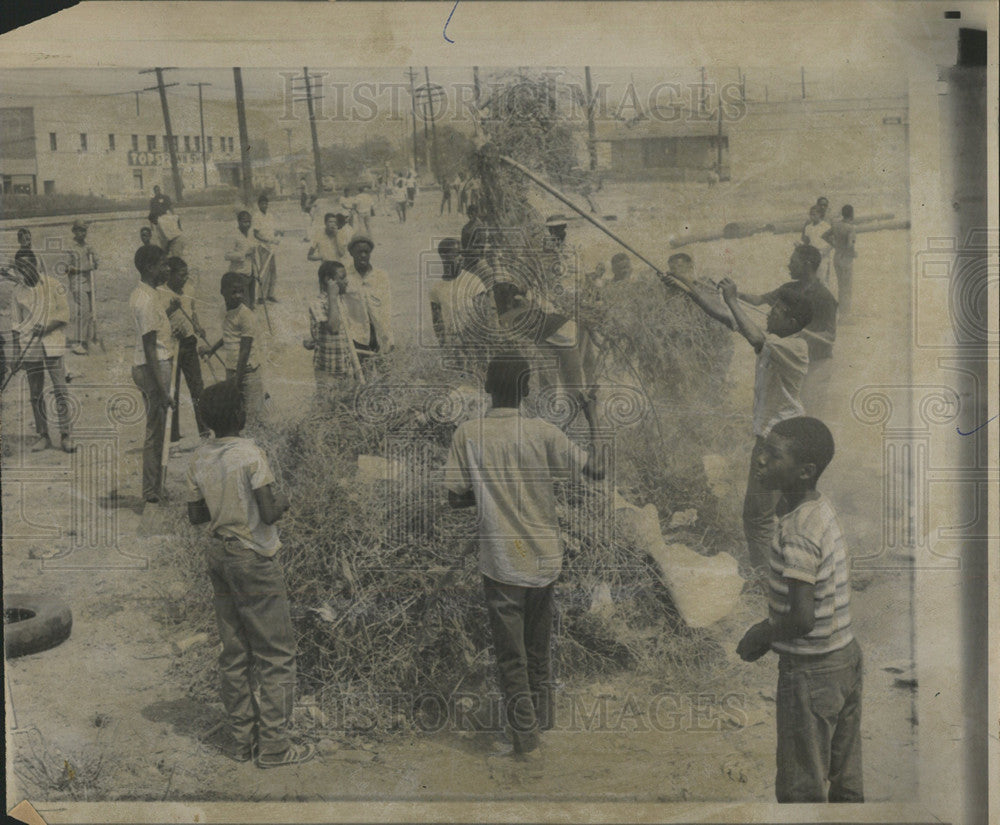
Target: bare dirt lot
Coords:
[[106, 716]]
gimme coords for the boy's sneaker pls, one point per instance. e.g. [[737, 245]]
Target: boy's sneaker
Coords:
[[41, 443], [294, 755]]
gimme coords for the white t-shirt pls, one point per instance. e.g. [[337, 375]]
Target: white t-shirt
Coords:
[[457, 299], [263, 223], [782, 364], [149, 315], [510, 462], [225, 472]]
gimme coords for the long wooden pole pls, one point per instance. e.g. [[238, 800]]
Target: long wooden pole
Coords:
[[683, 282]]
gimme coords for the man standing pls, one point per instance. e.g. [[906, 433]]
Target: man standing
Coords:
[[842, 236], [241, 252], [146, 241], [367, 301], [267, 239], [42, 314], [159, 204], [80, 269], [332, 244], [445, 195], [821, 331], [813, 234]]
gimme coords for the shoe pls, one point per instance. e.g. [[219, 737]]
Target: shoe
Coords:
[[240, 753], [260, 300], [273, 300], [41, 443], [67, 445], [294, 755], [534, 757], [81, 349], [152, 498]]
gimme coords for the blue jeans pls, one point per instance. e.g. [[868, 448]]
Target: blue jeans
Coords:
[[251, 610], [521, 626], [819, 727]]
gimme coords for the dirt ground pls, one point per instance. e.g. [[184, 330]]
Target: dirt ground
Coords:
[[103, 712]]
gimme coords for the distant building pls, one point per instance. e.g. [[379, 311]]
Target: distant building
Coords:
[[100, 145]]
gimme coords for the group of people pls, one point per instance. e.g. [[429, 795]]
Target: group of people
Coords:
[[504, 464]]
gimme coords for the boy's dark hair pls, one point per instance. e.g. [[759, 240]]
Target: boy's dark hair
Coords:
[[221, 408], [22, 232], [798, 305], [622, 256], [148, 256], [812, 441], [243, 212], [847, 212], [329, 215], [507, 375], [681, 257], [229, 277], [175, 264], [810, 256], [452, 244], [328, 271]]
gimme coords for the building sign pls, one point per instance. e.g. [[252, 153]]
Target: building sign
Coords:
[[162, 158]]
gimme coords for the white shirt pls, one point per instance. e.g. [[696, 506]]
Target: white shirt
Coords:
[[225, 472], [149, 315], [367, 301], [457, 299], [782, 364], [263, 223], [510, 462], [42, 304], [241, 252], [814, 232]]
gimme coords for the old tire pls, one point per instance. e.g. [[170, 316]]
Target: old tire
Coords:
[[33, 623]]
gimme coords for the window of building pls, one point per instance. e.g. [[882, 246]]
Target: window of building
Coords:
[[222, 144], [208, 141], [53, 145], [135, 143], [187, 143], [151, 143], [197, 143], [83, 141], [137, 179], [111, 142], [49, 186], [230, 144]]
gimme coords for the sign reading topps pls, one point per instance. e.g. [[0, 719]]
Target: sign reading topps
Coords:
[[136, 158]]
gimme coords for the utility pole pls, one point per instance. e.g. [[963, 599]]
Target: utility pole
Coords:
[[434, 139], [718, 141], [413, 107], [475, 83], [171, 145], [310, 98], [803, 70], [591, 128], [701, 96], [241, 119], [201, 119]]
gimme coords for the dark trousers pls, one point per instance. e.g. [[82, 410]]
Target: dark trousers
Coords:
[[189, 365], [521, 625], [819, 727], [758, 512], [255, 626], [152, 447], [35, 371], [445, 199]]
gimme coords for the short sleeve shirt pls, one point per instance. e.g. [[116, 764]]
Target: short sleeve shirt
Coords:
[[457, 299], [809, 547], [42, 304], [225, 472], [263, 222], [782, 364], [824, 314], [510, 463], [843, 237], [237, 324], [241, 253], [814, 232], [179, 323], [149, 315]]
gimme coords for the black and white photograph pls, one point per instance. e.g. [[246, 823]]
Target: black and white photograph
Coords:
[[573, 412]]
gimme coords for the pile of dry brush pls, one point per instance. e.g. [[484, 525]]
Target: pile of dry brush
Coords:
[[382, 574]]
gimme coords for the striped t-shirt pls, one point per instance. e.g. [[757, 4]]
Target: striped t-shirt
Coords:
[[808, 546]]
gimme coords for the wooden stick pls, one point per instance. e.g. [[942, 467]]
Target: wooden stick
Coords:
[[333, 305], [683, 282], [165, 454], [260, 284]]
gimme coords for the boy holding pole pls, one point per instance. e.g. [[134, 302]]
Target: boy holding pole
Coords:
[[333, 355], [80, 269]]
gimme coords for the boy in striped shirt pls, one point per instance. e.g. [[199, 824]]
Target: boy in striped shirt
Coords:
[[809, 624]]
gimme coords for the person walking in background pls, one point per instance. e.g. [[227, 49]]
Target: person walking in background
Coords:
[[400, 198], [445, 195], [231, 488], [266, 235], [842, 236], [411, 188], [809, 624], [80, 269], [813, 234], [159, 204]]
